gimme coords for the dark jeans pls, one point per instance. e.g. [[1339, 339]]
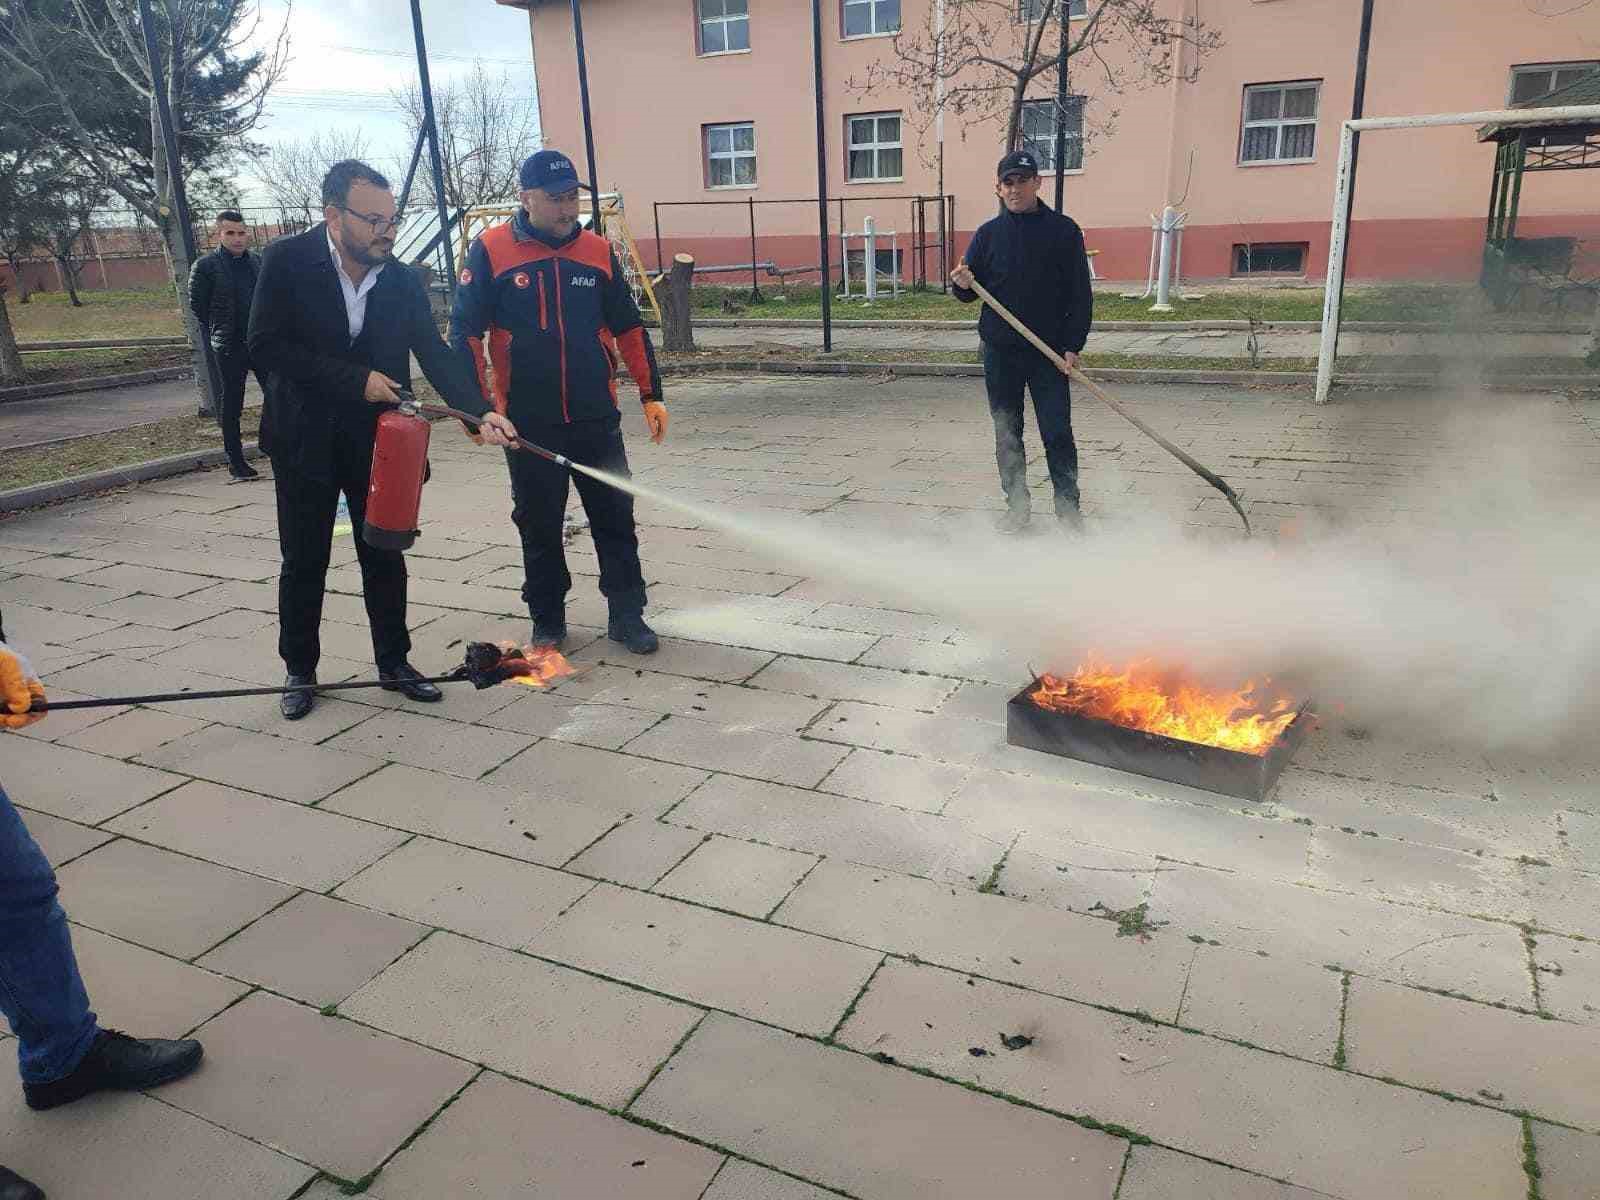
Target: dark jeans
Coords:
[[539, 493], [231, 370], [306, 510], [41, 991], [1007, 372]]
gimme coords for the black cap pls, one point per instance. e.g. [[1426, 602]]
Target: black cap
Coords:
[[550, 171], [1018, 162]]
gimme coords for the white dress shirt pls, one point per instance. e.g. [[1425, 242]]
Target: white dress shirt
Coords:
[[355, 298]]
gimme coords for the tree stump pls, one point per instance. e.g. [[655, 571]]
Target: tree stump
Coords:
[[677, 330]]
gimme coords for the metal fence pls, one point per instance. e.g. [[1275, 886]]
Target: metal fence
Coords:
[[778, 239]]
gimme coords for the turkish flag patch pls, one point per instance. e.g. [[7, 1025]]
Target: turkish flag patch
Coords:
[[521, 279], [466, 276]]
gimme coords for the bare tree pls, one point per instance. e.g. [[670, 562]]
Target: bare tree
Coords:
[[92, 88], [292, 170], [75, 195], [981, 65], [487, 126]]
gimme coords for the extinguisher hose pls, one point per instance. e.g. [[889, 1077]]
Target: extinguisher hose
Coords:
[[472, 423]]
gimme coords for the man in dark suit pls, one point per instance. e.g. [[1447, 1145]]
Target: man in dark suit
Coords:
[[334, 325]]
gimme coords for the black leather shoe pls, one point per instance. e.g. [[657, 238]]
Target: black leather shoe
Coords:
[[15, 1187], [407, 680], [117, 1062], [241, 473], [632, 632], [549, 632], [294, 705]]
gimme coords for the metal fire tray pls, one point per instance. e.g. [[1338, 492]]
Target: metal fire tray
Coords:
[[1211, 768]]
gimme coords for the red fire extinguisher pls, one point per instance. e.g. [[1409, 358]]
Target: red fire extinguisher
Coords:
[[399, 469]]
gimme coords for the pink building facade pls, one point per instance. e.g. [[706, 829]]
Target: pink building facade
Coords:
[[712, 100]]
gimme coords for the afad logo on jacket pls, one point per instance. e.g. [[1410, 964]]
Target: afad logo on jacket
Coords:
[[584, 281]]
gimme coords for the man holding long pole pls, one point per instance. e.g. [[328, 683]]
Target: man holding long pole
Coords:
[[1032, 259]]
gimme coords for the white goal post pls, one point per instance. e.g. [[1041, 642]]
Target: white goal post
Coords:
[[1572, 114]]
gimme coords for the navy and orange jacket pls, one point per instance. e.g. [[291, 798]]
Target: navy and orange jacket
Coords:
[[553, 317]]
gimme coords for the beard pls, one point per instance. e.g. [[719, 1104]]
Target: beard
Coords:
[[373, 255]]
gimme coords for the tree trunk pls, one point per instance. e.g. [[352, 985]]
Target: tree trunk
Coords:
[[677, 330], [172, 239], [10, 359], [1594, 335], [69, 276]]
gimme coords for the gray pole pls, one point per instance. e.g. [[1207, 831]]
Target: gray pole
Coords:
[[180, 198], [588, 120], [431, 128], [822, 178], [1061, 109], [1358, 109]]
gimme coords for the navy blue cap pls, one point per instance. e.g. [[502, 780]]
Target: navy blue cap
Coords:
[[550, 171], [1018, 162]]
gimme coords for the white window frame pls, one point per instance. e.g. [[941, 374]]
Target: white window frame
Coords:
[[1277, 123], [732, 156], [701, 21], [1045, 150], [872, 7], [1029, 11], [1549, 69], [851, 146]]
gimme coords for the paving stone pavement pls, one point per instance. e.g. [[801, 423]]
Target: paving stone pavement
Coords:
[[776, 914]]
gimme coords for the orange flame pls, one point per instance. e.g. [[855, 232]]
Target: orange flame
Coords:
[[533, 666], [1141, 697]]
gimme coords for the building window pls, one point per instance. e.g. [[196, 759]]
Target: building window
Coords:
[[875, 150], [1280, 122], [1529, 83], [1035, 10], [731, 155], [864, 18], [724, 26], [1039, 132], [1277, 258]]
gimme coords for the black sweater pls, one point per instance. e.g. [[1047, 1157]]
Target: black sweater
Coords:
[[1035, 265]]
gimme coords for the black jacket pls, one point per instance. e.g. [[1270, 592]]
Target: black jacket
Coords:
[[1035, 265], [214, 297], [300, 336]]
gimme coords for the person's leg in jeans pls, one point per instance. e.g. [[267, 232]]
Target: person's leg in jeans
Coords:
[[232, 368], [41, 992], [1004, 376], [610, 512], [1052, 408], [538, 503]]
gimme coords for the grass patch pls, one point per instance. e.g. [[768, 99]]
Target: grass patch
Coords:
[[1530, 1160], [1339, 1058], [49, 316], [123, 448], [1221, 302], [1130, 922], [56, 366]]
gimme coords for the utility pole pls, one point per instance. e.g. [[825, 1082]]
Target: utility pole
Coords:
[[1357, 111], [1061, 107], [822, 178], [180, 198], [588, 121], [431, 128]]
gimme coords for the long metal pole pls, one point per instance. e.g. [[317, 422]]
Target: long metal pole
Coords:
[[411, 171], [1061, 109], [822, 178], [1333, 290], [180, 197], [1358, 109], [432, 127], [588, 118]]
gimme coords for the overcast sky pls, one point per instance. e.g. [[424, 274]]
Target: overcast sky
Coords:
[[347, 54]]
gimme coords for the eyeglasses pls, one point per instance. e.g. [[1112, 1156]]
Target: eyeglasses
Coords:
[[380, 225]]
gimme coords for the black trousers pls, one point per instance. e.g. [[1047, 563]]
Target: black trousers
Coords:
[[306, 511], [231, 372], [1006, 372], [539, 495]]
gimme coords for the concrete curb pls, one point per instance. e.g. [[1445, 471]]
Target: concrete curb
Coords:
[[100, 481], [1248, 379], [68, 387], [100, 344], [1134, 326]]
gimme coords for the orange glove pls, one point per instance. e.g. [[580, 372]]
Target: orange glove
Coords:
[[18, 690], [655, 416]]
